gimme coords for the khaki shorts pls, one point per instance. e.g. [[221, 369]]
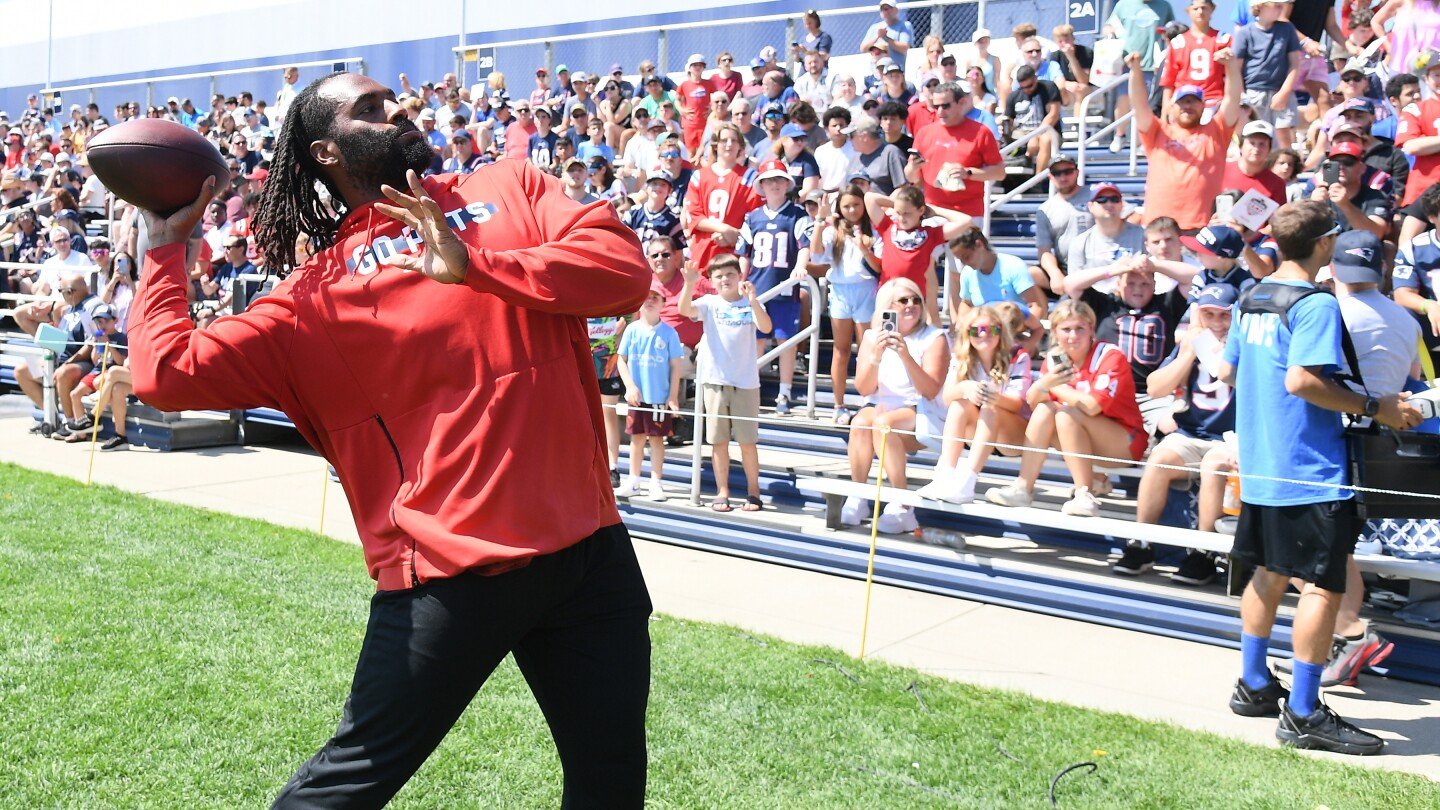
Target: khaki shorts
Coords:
[[1191, 451], [725, 401]]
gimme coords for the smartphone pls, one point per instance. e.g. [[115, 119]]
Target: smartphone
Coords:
[[887, 320], [1330, 172], [1223, 206], [1059, 360], [1426, 407], [914, 154]]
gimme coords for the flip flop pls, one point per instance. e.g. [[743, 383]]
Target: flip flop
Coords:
[[720, 506], [752, 504]]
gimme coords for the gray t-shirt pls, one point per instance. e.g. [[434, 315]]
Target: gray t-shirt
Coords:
[[1059, 221], [1386, 338], [1265, 55], [885, 167], [727, 354], [1093, 249]]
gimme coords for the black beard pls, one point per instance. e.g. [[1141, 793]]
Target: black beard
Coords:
[[373, 159]]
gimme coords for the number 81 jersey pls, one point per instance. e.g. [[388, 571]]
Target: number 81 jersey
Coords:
[[772, 240]]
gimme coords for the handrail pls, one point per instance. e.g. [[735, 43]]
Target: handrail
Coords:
[[1012, 147], [1084, 115], [811, 332], [209, 74], [1005, 198]]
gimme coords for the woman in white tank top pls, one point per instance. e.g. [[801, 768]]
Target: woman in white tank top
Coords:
[[901, 370]]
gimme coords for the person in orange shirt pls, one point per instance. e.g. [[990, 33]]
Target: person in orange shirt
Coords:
[[1187, 158]]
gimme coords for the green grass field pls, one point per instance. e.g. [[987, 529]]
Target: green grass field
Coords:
[[162, 656]]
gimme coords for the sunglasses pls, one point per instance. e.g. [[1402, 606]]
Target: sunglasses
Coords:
[[947, 105], [1108, 199], [664, 254], [1062, 172], [908, 300], [984, 331], [1354, 79], [1332, 232], [668, 155]]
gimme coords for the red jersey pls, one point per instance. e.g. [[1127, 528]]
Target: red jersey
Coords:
[[694, 100], [1191, 60], [919, 116], [729, 86], [908, 254], [517, 140], [1266, 182], [447, 409], [727, 199], [969, 144], [1105, 375], [1420, 120]]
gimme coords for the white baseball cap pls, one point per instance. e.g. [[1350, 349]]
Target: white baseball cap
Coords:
[[980, 33], [695, 59]]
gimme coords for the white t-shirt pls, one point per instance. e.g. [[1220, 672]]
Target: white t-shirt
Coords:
[[1386, 338], [851, 268], [54, 267], [896, 390], [92, 195], [641, 153], [834, 164], [727, 352]]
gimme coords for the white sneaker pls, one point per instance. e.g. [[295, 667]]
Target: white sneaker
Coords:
[[1117, 143], [628, 488], [657, 491], [1082, 505], [1014, 494], [854, 512], [939, 483], [897, 519]]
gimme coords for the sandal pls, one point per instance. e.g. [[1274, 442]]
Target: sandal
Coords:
[[720, 505], [752, 504]]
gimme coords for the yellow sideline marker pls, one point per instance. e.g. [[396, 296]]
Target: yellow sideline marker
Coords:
[[874, 536], [95, 434]]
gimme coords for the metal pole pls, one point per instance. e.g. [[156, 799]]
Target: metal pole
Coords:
[[937, 21], [50, 49], [149, 95], [662, 55], [980, 14], [815, 316], [790, 68], [697, 454], [460, 54]]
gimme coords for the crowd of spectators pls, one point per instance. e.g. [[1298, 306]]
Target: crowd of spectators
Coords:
[[740, 181]]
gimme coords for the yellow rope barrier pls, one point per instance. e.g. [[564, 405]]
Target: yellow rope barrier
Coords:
[[874, 537], [95, 417], [324, 494]]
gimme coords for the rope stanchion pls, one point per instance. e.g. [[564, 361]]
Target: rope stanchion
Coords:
[[95, 418], [874, 538], [324, 494]]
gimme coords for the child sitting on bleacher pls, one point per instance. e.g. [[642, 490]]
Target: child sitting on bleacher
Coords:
[[650, 358], [985, 397]]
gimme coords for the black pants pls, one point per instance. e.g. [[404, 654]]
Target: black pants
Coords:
[[577, 622]]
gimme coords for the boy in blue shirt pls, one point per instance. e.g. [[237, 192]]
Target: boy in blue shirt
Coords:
[[1269, 52], [650, 359], [1281, 363]]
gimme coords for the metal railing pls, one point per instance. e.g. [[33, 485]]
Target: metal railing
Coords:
[[810, 333], [50, 401], [149, 82], [1084, 125]]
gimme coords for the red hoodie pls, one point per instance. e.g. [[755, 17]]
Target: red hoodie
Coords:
[[464, 419]]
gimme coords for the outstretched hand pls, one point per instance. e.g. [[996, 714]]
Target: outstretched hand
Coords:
[[443, 256]]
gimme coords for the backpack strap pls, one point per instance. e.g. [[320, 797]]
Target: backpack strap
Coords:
[[1278, 299]]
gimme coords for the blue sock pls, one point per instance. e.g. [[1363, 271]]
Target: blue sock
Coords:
[[1305, 690], [1254, 671]]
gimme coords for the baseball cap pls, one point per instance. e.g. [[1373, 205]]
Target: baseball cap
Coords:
[[815, 195], [1062, 159], [695, 59], [1427, 60], [545, 111], [1217, 240], [885, 64], [857, 177], [562, 68], [927, 77], [1100, 189], [574, 161], [947, 57], [580, 77], [460, 135], [892, 67], [46, 157], [661, 175], [890, 3], [1188, 91], [103, 311], [1343, 127], [1358, 104], [1259, 128], [1358, 258], [426, 114], [1346, 148], [792, 131], [656, 122], [773, 107], [773, 168], [1354, 65], [1217, 296], [862, 123], [617, 68], [980, 33], [656, 288], [540, 71], [171, 100], [261, 173]]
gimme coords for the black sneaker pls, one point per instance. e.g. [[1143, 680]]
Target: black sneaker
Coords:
[[614, 479], [1262, 702], [1324, 730], [1196, 569], [61, 431], [83, 426], [116, 442], [1136, 560]]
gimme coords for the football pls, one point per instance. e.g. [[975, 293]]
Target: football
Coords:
[[156, 164]]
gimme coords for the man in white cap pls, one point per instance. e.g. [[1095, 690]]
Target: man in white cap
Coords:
[[892, 32], [1251, 169]]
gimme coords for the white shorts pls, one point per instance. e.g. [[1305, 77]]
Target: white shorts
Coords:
[[1190, 450], [1259, 101], [853, 300]]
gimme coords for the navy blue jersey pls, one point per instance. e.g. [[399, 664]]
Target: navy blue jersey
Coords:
[[1211, 410], [1417, 265], [772, 240], [647, 225]]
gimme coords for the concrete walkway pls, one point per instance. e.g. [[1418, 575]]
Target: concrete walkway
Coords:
[[1147, 676]]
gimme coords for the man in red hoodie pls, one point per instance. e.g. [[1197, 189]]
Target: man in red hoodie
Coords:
[[435, 351]]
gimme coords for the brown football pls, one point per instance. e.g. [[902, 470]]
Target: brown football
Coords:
[[156, 164]]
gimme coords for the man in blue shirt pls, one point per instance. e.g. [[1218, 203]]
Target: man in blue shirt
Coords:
[[1297, 518], [892, 33]]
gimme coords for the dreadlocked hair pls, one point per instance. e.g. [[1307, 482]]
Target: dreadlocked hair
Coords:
[[290, 204]]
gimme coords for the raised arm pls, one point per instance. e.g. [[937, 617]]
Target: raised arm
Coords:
[[1139, 99]]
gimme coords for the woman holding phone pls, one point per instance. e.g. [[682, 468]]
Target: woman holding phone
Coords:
[[1084, 400], [901, 370]]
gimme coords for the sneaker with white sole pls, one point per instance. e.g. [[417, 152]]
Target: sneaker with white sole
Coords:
[[957, 488], [1324, 730], [897, 519], [855, 511], [782, 405], [1014, 494], [1136, 560], [1083, 504], [938, 482], [628, 488], [657, 491], [1198, 568]]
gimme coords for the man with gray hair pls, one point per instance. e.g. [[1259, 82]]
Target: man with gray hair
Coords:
[[874, 158]]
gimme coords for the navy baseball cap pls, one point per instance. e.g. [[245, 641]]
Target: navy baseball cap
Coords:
[[792, 131], [1188, 91], [1217, 240], [1219, 296], [1358, 258]]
